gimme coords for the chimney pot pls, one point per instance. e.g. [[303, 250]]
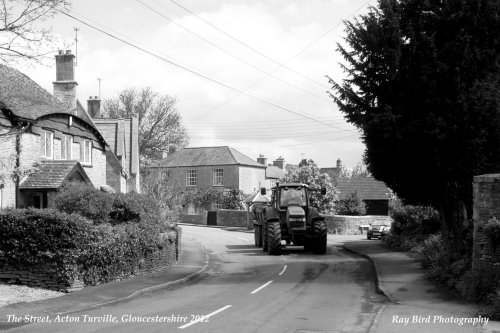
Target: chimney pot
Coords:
[[96, 97], [68, 51], [61, 51]]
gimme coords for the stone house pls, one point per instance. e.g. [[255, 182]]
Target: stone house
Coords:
[[46, 139], [211, 167]]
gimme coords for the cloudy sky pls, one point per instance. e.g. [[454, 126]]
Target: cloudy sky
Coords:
[[249, 74]]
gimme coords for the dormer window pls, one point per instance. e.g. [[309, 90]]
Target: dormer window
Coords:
[[66, 145], [47, 144]]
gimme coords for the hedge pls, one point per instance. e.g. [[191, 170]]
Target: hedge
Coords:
[[75, 248]]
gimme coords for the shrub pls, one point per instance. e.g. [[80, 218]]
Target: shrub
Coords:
[[85, 200], [73, 247], [35, 237], [351, 205], [415, 220], [134, 207]]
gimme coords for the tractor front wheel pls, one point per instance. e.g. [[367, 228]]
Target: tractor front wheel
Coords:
[[274, 238], [263, 236], [319, 241]]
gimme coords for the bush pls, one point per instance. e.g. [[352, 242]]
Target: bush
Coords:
[[85, 200], [351, 205], [73, 247], [415, 221], [114, 208], [34, 237]]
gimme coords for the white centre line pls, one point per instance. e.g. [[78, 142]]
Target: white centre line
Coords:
[[283, 271], [246, 240], [205, 317], [261, 287]]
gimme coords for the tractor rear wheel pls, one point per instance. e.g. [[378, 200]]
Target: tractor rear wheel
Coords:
[[257, 235], [319, 241], [274, 238]]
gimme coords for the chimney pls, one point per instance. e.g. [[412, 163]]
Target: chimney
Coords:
[[339, 163], [280, 163], [262, 160], [94, 107], [65, 84]]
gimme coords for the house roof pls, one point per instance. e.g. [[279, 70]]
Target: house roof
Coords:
[[368, 188], [275, 172], [24, 97], [332, 172], [205, 156], [51, 175]]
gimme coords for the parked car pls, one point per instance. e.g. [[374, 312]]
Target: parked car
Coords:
[[377, 230]]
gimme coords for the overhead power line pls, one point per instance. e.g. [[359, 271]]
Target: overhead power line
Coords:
[[248, 46], [266, 102], [229, 53]]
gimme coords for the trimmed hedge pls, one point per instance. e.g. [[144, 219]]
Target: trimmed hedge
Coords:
[[72, 247]]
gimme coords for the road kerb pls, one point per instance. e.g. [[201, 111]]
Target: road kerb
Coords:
[[380, 288], [148, 289]]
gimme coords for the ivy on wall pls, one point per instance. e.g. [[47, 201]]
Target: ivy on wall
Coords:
[[228, 198]]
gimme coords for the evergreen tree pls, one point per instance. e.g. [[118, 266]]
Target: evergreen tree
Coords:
[[422, 85]]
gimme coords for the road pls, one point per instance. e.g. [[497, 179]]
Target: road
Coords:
[[246, 290]]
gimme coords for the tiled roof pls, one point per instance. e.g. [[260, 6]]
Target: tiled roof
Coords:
[[24, 97], [275, 172], [368, 188], [51, 175], [205, 156]]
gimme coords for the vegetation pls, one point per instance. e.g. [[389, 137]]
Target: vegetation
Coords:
[[352, 205], [422, 85], [227, 198], [74, 247], [309, 174], [160, 124], [21, 35]]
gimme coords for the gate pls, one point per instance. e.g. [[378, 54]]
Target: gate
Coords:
[[212, 218]]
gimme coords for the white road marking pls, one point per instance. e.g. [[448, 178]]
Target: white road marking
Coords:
[[244, 239], [283, 271], [205, 317], [283, 258], [261, 287]]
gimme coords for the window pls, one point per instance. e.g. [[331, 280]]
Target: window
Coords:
[[293, 196], [218, 177], [86, 152], [272, 182], [66, 145], [47, 144], [191, 177]]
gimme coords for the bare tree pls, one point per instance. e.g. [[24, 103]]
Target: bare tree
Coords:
[[160, 124], [22, 34]]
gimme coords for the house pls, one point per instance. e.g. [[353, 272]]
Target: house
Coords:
[[374, 193], [333, 172], [46, 139], [121, 135], [43, 142], [212, 167], [273, 172]]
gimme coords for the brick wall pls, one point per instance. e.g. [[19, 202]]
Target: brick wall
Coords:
[[485, 254]]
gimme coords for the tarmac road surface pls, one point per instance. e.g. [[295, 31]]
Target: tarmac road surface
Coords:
[[246, 290]]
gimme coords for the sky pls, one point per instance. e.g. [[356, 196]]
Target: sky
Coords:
[[246, 74]]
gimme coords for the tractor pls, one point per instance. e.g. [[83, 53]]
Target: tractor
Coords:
[[289, 217]]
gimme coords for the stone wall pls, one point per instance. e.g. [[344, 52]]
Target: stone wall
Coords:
[[485, 254], [233, 218], [350, 225], [45, 276]]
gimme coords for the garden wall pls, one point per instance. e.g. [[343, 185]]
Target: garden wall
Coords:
[[350, 225], [225, 217], [485, 254]]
